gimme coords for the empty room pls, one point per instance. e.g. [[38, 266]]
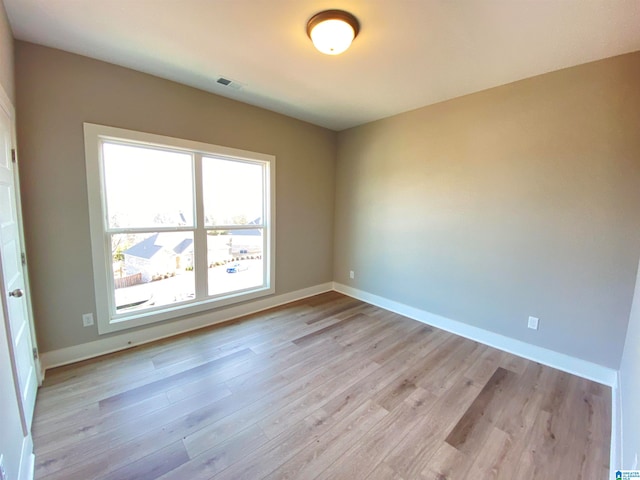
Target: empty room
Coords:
[[382, 240]]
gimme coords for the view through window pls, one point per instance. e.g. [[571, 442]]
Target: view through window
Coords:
[[181, 227]]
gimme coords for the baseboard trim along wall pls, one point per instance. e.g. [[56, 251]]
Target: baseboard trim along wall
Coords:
[[113, 343], [122, 341], [560, 361]]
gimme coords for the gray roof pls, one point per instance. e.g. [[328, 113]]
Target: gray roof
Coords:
[[251, 231], [150, 246]]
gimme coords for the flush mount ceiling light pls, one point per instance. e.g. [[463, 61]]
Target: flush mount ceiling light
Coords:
[[332, 31]]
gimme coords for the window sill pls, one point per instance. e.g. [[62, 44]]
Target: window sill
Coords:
[[177, 311]]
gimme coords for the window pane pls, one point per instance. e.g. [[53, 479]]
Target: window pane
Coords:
[[152, 269], [233, 192], [235, 260], [146, 187]]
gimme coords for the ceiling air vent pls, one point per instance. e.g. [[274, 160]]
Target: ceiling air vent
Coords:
[[227, 82]]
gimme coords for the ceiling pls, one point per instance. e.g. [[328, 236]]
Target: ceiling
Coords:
[[409, 53]]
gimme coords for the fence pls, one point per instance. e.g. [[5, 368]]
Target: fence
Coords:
[[128, 281]]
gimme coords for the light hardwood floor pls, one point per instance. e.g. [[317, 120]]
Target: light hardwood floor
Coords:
[[328, 388]]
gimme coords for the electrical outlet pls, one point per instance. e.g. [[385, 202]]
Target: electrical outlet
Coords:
[[3, 472], [352, 274], [533, 323], [87, 319]]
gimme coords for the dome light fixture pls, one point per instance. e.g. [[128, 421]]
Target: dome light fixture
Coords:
[[332, 31]]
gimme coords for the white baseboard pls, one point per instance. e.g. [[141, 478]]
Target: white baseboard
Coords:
[[113, 343], [121, 341], [560, 361], [27, 459]]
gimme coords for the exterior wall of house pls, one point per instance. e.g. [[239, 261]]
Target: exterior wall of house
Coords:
[[133, 265]]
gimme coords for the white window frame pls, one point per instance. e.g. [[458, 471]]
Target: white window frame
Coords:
[[107, 320]]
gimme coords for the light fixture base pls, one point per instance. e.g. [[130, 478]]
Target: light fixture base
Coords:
[[333, 28]]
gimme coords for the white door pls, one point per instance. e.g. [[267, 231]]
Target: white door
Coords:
[[12, 280]]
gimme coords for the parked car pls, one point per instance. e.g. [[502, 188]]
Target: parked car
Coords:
[[237, 267]]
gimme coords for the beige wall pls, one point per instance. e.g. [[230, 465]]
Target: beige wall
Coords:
[[11, 435], [520, 200], [6, 55], [58, 91]]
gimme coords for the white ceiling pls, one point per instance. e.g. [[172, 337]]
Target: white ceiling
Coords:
[[409, 53]]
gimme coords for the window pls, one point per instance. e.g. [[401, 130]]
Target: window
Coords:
[[177, 227]]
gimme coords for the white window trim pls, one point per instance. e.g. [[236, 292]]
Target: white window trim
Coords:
[[93, 135]]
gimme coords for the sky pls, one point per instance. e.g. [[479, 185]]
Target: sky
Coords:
[[143, 182]]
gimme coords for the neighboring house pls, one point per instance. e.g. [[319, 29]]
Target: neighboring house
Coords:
[[158, 254], [168, 252], [246, 241]]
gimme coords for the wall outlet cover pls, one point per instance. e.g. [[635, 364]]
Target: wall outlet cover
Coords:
[[87, 319], [533, 323]]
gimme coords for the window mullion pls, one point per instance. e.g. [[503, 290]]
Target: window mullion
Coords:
[[134, 230], [157, 262], [248, 226], [200, 233], [266, 220]]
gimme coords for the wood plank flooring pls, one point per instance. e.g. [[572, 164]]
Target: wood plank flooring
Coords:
[[324, 388]]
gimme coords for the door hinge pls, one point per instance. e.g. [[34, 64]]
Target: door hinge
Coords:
[[13, 155], [24, 259], [35, 353]]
